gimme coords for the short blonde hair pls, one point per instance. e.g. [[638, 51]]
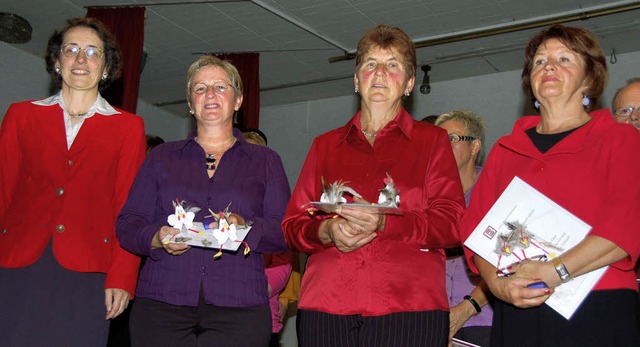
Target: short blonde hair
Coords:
[[471, 122], [226, 66]]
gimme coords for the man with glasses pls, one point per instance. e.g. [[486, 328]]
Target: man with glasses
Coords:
[[466, 291], [624, 108], [626, 102]]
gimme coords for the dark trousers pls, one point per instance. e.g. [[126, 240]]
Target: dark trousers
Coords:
[[157, 324], [415, 329]]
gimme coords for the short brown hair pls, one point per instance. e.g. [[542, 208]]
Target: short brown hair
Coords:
[[579, 40], [388, 37], [226, 66], [111, 51]]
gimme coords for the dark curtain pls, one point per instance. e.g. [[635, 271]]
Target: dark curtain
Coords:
[[248, 65], [127, 25]]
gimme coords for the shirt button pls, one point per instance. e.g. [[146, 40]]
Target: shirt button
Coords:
[[106, 240], [60, 191], [60, 228], [70, 162]]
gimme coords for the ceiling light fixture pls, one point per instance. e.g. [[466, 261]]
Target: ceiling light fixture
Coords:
[[425, 87]]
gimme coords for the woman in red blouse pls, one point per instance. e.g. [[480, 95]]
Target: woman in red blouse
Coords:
[[374, 279]]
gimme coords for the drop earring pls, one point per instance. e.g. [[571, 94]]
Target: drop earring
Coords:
[[586, 101], [357, 90], [57, 69], [104, 75], [536, 104], [407, 93]]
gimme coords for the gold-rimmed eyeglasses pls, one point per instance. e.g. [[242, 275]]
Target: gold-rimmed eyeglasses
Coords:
[[71, 50], [218, 88], [624, 112], [457, 138]]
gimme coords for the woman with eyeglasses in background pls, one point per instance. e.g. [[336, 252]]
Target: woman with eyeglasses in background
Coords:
[[186, 296], [68, 162]]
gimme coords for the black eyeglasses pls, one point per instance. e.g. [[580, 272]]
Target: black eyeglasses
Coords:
[[457, 138], [71, 50], [625, 112]]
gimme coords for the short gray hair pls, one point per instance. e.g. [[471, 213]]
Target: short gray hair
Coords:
[[615, 96], [471, 122]]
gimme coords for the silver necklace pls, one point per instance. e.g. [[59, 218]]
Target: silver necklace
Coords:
[[369, 135]]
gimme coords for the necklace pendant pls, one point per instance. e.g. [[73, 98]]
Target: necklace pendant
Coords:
[[211, 162]]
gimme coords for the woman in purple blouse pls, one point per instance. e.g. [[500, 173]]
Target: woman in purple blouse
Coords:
[[185, 296]]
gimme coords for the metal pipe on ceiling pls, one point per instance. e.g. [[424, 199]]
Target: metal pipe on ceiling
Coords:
[[304, 26], [513, 27]]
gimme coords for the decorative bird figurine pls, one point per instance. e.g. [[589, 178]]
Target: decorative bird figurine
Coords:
[[389, 194], [333, 192], [182, 217]]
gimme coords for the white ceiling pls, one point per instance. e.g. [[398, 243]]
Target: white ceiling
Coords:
[[296, 38]]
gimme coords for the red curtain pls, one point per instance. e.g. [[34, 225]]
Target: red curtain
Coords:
[[248, 65], [127, 25]]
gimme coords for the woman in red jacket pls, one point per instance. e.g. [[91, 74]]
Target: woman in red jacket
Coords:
[[586, 163], [68, 162]]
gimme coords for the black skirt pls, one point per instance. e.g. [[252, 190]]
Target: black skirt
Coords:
[[45, 304], [607, 318]]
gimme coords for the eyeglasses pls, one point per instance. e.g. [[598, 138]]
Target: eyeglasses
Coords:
[[71, 50], [457, 138], [505, 271], [218, 88], [625, 112]]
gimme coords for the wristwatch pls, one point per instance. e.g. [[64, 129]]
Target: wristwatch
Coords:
[[561, 270]]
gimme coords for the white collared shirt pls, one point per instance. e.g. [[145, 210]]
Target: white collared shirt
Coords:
[[99, 106]]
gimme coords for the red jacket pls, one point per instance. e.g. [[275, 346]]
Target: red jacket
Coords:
[[71, 195], [593, 173]]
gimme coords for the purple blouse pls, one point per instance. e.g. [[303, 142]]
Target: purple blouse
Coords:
[[250, 177]]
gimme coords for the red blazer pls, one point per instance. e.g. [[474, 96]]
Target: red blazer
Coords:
[[71, 196]]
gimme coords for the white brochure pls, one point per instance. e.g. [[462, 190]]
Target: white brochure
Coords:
[[523, 224]]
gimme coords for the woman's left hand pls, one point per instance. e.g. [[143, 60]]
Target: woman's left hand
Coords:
[[362, 221], [116, 301], [540, 270]]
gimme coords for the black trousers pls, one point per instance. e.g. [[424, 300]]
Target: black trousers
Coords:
[[404, 329], [158, 324]]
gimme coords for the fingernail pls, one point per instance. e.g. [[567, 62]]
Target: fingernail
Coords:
[[547, 291]]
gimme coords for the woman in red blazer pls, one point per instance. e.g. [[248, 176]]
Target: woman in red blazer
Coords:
[[67, 164]]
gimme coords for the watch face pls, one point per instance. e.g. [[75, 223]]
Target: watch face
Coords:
[[561, 270]]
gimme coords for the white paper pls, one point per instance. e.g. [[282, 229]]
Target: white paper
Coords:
[[554, 230], [461, 343], [198, 236]]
